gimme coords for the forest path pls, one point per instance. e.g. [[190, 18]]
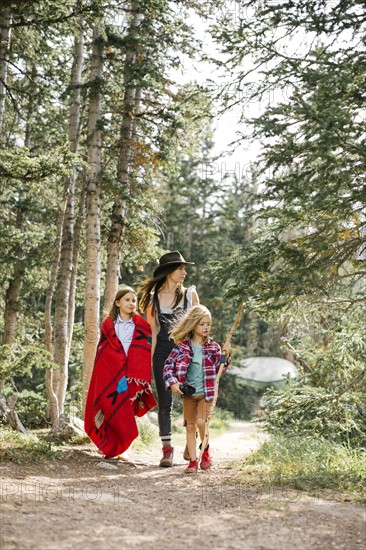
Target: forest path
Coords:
[[73, 503]]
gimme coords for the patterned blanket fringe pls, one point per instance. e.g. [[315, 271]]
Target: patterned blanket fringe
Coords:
[[147, 388]]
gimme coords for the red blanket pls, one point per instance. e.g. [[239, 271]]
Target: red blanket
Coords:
[[119, 388]]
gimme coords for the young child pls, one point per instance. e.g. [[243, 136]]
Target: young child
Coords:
[[120, 384], [195, 360]]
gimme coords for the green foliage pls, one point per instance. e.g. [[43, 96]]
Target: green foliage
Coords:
[[305, 409], [220, 420], [19, 360], [238, 398], [147, 432], [216, 216], [328, 400], [35, 160], [323, 468], [31, 408], [21, 448], [22, 371], [303, 265]]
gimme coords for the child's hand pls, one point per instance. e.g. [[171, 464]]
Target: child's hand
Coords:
[[226, 348], [175, 388]]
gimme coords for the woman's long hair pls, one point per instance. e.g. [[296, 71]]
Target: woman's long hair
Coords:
[[185, 327], [113, 314], [155, 284]]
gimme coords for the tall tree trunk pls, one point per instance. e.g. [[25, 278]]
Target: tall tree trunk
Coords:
[[14, 288], [63, 314], [131, 103], [13, 293], [53, 410], [5, 36], [93, 245], [75, 117], [7, 411], [75, 260], [11, 301]]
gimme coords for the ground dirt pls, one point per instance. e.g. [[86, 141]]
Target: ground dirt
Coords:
[[74, 503]]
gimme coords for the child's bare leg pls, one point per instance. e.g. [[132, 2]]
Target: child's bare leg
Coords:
[[191, 440], [201, 425], [203, 411], [190, 417]]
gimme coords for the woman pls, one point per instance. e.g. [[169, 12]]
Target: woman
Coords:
[[165, 299]]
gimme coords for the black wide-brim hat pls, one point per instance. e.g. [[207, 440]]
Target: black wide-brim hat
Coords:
[[170, 258]]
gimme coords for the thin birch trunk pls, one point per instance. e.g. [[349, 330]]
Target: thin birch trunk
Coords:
[[93, 244], [75, 260], [5, 37], [63, 314], [53, 410], [131, 103]]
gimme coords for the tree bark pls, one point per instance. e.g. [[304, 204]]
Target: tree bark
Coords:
[[131, 103], [7, 411], [93, 245], [63, 314], [76, 116], [13, 291], [9, 415], [75, 260], [5, 37]]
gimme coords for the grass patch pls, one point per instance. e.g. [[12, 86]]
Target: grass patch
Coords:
[[148, 434], [79, 440], [220, 421], [18, 447], [317, 466]]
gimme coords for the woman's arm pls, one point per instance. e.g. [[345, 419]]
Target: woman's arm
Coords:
[[195, 297], [150, 318]]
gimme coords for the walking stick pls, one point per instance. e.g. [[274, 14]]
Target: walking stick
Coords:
[[219, 373]]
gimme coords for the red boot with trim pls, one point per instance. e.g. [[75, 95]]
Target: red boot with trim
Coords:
[[167, 459], [206, 460], [192, 467]]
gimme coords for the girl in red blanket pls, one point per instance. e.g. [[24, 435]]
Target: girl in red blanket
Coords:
[[194, 360], [120, 384]]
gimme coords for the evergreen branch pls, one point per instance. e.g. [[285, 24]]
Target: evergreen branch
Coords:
[[304, 365]]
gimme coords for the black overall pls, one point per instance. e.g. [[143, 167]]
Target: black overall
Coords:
[[164, 346]]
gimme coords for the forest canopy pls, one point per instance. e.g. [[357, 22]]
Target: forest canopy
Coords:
[[106, 162]]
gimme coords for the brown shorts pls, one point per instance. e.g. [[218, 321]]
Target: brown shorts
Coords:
[[195, 408]]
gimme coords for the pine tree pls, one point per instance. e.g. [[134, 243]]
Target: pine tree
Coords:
[[304, 263]]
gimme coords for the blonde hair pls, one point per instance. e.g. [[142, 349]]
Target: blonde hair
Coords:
[[185, 327]]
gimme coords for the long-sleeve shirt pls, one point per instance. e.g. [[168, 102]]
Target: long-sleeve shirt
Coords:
[[124, 331], [177, 363]]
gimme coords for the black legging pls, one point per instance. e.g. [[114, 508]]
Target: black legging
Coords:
[[165, 397], [164, 346]]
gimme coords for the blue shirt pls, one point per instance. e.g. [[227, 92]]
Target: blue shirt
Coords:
[[195, 370], [124, 331]]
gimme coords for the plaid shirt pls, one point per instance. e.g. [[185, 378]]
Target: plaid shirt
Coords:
[[176, 365]]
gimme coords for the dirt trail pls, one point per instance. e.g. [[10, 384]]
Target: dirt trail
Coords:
[[75, 504]]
